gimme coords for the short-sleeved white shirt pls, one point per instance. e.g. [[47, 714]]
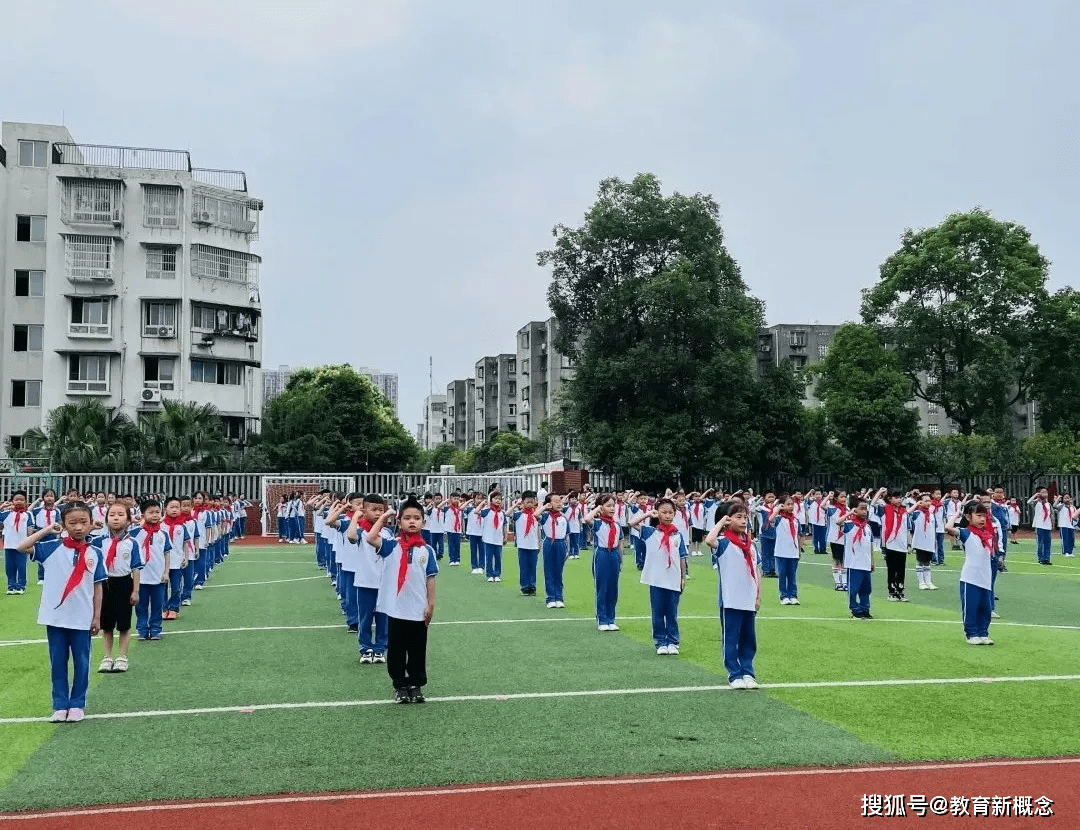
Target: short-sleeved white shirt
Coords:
[[411, 601], [602, 534], [493, 525], [127, 557], [154, 564], [14, 536], [663, 569], [77, 611], [555, 525], [787, 539], [523, 540], [976, 569], [738, 587], [858, 552]]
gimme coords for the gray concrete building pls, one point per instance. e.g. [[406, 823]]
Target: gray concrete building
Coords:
[[542, 373], [434, 430], [496, 396], [461, 412]]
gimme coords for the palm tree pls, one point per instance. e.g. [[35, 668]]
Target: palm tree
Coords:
[[85, 437], [183, 436]]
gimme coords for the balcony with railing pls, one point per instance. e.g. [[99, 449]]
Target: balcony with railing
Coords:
[[92, 202], [230, 212], [210, 263], [90, 259], [122, 158]]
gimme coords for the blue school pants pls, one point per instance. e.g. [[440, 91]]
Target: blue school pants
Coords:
[[15, 568], [607, 565], [739, 642], [200, 568], [62, 642], [665, 616], [975, 607], [148, 609], [1042, 546], [476, 552], [554, 560], [189, 580], [858, 592], [585, 532], [366, 598], [493, 559], [348, 597], [176, 577], [820, 538], [437, 543], [242, 523], [1068, 540], [639, 552], [320, 551], [527, 568], [768, 560], [786, 569], [573, 539], [453, 544], [939, 554], [426, 534]]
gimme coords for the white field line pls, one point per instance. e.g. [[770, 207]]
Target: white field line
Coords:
[[532, 785], [339, 704], [266, 582]]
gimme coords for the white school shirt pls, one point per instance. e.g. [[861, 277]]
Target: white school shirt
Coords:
[[192, 546], [203, 534], [634, 512], [682, 521], [98, 512], [127, 554], [411, 602], [602, 534], [318, 522], [178, 539], [523, 540], [77, 611], [662, 568], [899, 539], [493, 526], [154, 564], [1042, 515], [369, 565], [541, 494], [348, 553], [43, 517], [939, 518], [711, 507], [453, 521], [282, 509], [14, 536], [473, 525], [738, 586], [923, 530], [787, 538], [433, 520], [554, 524], [573, 513], [858, 548], [834, 533], [816, 511], [697, 515], [1065, 516], [952, 509], [1014, 515], [976, 569]]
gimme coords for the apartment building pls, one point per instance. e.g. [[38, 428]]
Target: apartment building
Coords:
[[461, 412], [127, 276], [434, 430], [542, 373], [496, 396]]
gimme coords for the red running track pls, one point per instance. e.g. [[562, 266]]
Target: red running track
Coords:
[[761, 799]]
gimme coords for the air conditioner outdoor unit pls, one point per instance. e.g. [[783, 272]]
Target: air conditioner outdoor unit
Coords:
[[159, 331], [151, 396], [116, 217], [207, 339]]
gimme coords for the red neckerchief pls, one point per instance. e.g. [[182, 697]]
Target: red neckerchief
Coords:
[[613, 531], [110, 557], [197, 509], [172, 524], [1046, 511], [793, 525], [839, 523], [860, 528], [936, 504], [685, 515], [926, 517], [364, 524], [80, 566], [986, 535], [497, 512], [894, 514], [666, 532], [798, 504], [696, 509], [817, 508], [457, 518], [554, 515], [18, 511], [407, 541], [530, 522], [150, 531], [743, 544]]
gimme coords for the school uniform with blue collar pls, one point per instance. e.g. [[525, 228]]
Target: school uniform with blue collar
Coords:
[[607, 565], [191, 549], [859, 561], [453, 523], [1042, 520], [766, 540], [976, 581], [349, 555], [153, 550], [403, 599], [72, 572], [41, 518], [178, 539], [665, 557], [786, 550], [474, 533], [367, 580], [573, 532], [202, 535], [527, 542], [433, 523], [740, 588], [493, 526], [635, 535], [14, 525], [818, 525], [555, 527], [1065, 527]]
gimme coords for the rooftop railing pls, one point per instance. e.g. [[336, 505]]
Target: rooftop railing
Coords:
[[123, 158]]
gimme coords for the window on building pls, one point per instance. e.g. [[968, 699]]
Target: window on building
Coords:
[[479, 372], [567, 362], [202, 317], [233, 427], [511, 367], [932, 408], [29, 228], [88, 257], [89, 316], [524, 339], [493, 391], [510, 425], [161, 206], [159, 373], [26, 393], [525, 366], [932, 429], [513, 387], [511, 409], [479, 436], [161, 262], [88, 373], [494, 370], [524, 393], [92, 201], [217, 371], [28, 338], [14, 443], [798, 339], [29, 283], [159, 314], [33, 154], [525, 421], [822, 350]]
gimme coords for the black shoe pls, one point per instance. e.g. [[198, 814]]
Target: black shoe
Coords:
[[416, 695], [1003, 570], [402, 696], [353, 629], [525, 592], [771, 575], [868, 616]]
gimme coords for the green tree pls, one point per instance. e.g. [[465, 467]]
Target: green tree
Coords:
[[779, 432], [656, 315], [85, 437], [433, 459], [865, 398], [1055, 358], [956, 301], [1047, 452], [182, 437], [954, 457], [333, 419], [505, 449]]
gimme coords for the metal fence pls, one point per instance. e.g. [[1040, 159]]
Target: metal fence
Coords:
[[138, 158]]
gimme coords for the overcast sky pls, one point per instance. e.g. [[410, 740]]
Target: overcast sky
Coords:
[[414, 156]]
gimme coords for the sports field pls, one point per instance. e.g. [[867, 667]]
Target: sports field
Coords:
[[258, 689]]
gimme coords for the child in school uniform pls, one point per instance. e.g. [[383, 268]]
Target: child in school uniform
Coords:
[[858, 558], [980, 542], [697, 524], [154, 550], [14, 527], [922, 524], [526, 530], [493, 527], [1014, 521], [474, 531], [640, 507], [740, 595], [121, 590], [787, 548], [407, 597], [434, 525], [622, 514], [1042, 520], [555, 527], [372, 638], [818, 520], [835, 508], [1066, 519], [767, 536], [894, 539], [426, 530], [454, 525], [664, 572], [573, 522], [191, 551], [175, 526], [70, 606], [607, 560], [349, 554], [44, 513], [200, 513]]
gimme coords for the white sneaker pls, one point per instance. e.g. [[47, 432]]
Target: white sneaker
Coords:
[[994, 614], [613, 627], [893, 599], [498, 579], [737, 683], [784, 601], [673, 649], [930, 586], [560, 604], [550, 604], [749, 682], [987, 641], [185, 602], [602, 627], [198, 587], [60, 715], [75, 715], [662, 650], [923, 587], [367, 657], [794, 601], [974, 641], [491, 579], [105, 665]]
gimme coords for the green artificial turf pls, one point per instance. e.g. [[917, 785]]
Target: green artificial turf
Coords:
[[393, 746]]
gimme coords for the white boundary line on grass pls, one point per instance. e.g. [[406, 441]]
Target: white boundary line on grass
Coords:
[[266, 582], [535, 785], [648, 690], [760, 618]]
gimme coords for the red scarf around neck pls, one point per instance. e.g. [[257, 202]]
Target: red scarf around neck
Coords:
[[667, 531], [742, 542], [457, 518], [613, 531], [986, 535], [860, 529], [894, 516], [496, 512], [18, 511], [926, 517], [407, 541], [793, 526], [530, 521], [148, 540], [80, 568]]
